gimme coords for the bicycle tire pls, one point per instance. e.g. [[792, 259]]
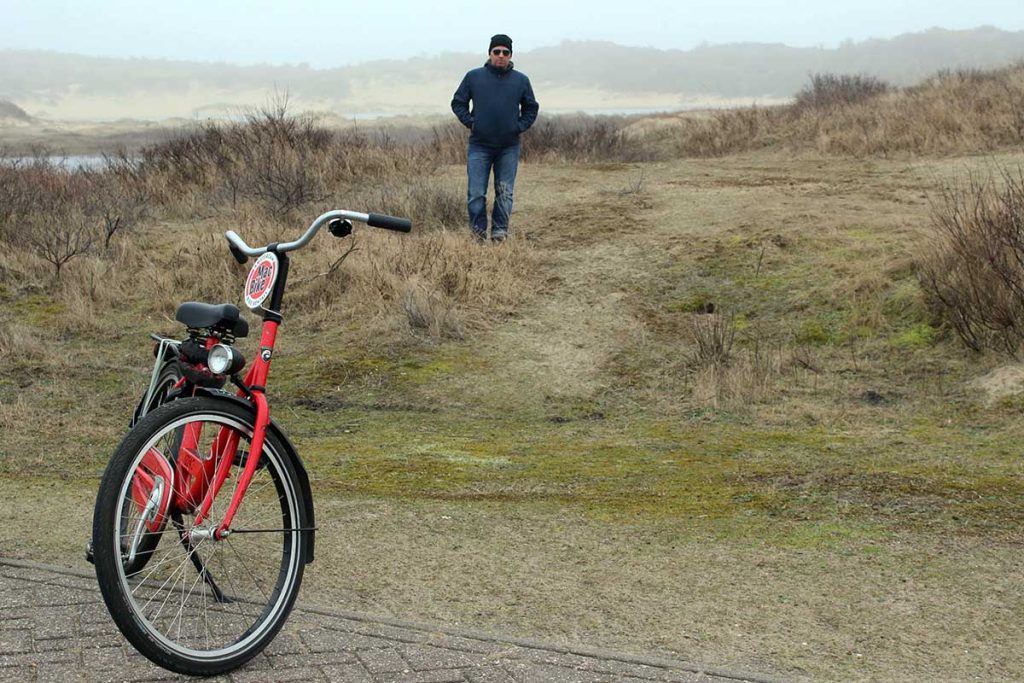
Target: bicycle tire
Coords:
[[209, 630]]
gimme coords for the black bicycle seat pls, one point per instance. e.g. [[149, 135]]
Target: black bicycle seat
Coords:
[[223, 316]]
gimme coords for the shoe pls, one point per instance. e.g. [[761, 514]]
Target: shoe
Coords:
[[499, 236], [479, 237]]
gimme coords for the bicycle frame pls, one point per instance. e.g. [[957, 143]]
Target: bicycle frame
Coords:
[[208, 474], [208, 486]]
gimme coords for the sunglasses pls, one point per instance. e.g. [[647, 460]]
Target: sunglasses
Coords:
[[498, 51]]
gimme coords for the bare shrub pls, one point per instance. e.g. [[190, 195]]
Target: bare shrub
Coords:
[[31, 186], [973, 273], [585, 139], [280, 162], [827, 91], [118, 197], [60, 234], [713, 337]]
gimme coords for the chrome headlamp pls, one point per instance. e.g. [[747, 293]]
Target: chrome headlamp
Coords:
[[225, 360]]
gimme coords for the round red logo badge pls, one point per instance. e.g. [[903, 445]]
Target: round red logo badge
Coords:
[[260, 282]]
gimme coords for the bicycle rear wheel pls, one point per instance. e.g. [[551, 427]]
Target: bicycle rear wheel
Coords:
[[198, 606]]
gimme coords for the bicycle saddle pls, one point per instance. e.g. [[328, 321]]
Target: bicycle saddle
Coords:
[[224, 316]]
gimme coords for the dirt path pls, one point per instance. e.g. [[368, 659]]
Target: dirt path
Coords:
[[591, 249]]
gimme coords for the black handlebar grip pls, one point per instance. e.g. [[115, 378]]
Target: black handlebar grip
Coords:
[[379, 220], [237, 253]]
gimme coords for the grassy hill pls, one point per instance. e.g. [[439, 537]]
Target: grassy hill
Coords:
[[700, 404], [571, 76]]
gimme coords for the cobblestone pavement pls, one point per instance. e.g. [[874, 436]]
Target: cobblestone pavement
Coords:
[[54, 627]]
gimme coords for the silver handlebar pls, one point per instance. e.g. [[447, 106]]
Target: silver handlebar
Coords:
[[240, 244]]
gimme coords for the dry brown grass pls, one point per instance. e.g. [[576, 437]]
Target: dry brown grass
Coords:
[[962, 111], [83, 238]]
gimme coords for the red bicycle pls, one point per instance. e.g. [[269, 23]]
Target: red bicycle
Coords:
[[204, 518]]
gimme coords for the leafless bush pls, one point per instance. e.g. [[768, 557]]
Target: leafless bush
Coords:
[[118, 197], [584, 139], [60, 236], [282, 163], [713, 336], [973, 274], [28, 186], [827, 91]]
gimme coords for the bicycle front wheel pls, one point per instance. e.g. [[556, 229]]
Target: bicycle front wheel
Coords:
[[197, 605]]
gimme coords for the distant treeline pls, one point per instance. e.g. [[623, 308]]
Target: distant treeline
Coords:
[[738, 70]]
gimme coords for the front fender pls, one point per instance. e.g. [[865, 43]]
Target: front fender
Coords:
[[309, 522]]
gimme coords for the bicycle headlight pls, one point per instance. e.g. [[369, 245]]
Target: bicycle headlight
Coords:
[[225, 360]]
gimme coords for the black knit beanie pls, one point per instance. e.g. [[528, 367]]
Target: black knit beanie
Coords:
[[500, 39]]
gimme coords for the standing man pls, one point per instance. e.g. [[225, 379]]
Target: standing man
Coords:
[[503, 108]]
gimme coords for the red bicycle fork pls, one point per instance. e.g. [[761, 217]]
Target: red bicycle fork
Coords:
[[210, 474]]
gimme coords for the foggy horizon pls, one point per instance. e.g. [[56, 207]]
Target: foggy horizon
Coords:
[[279, 34]]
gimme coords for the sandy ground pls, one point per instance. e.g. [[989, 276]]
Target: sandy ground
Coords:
[[377, 97]]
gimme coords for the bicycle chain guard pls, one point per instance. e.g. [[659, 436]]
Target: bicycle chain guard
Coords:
[[154, 474]]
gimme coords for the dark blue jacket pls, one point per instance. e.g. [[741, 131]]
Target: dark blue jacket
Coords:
[[503, 105]]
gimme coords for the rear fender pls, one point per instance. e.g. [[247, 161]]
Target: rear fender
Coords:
[[309, 522]]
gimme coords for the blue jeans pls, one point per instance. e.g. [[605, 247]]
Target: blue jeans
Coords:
[[479, 162]]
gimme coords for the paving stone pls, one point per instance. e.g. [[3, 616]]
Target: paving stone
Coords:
[[489, 674], [94, 613], [426, 658], [393, 633], [300, 673], [123, 674], [286, 644], [383, 661], [550, 673], [15, 641], [464, 644], [57, 672], [327, 658], [17, 674], [447, 676], [57, 644], [52, 622], [103, 658], [30, 658], [55, 628], [623, 669], [15, 623], [347, 673], [322, 640]]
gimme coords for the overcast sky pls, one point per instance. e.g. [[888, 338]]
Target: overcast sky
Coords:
[[327, 33]]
